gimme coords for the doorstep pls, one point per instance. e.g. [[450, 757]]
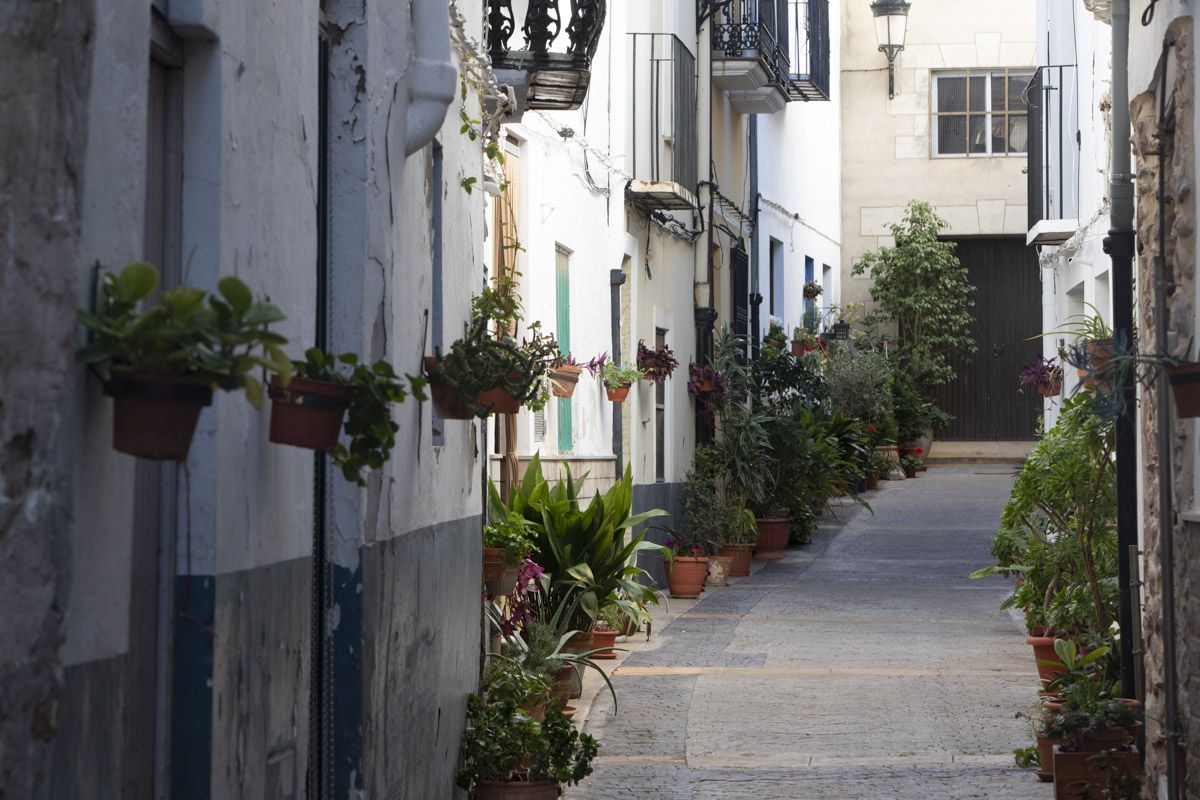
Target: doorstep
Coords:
[[1013, 453]]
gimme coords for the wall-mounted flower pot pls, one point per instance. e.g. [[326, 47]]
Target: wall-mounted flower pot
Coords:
[[685, 575], [740, 553], [308, 413], [619, 394], [516, 790], [1051, 390], [493, 565], [773, 535], [707, 385], [155, 414], [498, 401], [448, 401], [564, 379], [1185, 386]]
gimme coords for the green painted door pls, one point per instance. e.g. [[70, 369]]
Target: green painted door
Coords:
[[562, 284]]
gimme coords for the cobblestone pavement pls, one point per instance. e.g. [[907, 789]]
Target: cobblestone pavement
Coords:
[[865, 665]]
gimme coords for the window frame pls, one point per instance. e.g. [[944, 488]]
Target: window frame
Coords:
[[989, 74]]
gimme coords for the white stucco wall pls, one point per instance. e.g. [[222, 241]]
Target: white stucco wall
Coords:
[[886, 143]]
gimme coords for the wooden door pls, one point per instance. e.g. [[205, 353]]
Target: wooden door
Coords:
[[986, 398]]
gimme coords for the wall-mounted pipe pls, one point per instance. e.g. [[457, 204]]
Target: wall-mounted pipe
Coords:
[[431, 75]]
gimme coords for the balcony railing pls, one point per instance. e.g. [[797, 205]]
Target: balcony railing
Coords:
[[664, 98], [750, 59], [807, 42], [1054, 149], [556, 58]]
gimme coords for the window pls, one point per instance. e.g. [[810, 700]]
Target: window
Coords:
[[776, 266], [660, 416], [980, 113]]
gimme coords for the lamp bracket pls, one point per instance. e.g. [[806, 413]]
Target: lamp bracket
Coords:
[[707, 9]]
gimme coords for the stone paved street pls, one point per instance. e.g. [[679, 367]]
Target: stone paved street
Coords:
[[865, 665]]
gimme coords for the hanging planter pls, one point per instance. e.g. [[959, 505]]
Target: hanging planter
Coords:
[[656, 365], [448, 401], [155, 414], [308, 413], [1185, 387], [564, 379], [161, 366], [619, 393]]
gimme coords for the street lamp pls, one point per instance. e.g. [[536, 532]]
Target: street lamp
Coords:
[[891, 26]]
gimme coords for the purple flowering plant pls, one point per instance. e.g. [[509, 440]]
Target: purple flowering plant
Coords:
[[1043, 373], [658, 364]]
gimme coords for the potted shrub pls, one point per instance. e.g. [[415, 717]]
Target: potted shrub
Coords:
[[489, 370], [507, 541], [508, 755], [685, 559], [506, 680], [911, 464], [1045, 375], [564, 375], [804, 341], [307, 410], [813, 290], [712, 516], [881, 465], [656, 365], [161, 365], [609, 625], [618, 379]]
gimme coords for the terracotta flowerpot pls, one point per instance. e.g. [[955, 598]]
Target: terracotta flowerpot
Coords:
[[1043, 651], [447, 400], [773, 533], [910, 472], [619, 394], [1084, 775], [740, 553], [872, 482], [1185, 388], [498, 401], [493, 565], [718, 570], [516, 790], [579, 643], [1114, 738], [685, 575], [1045, 746], [308, 413], [1052, 390], [564, 681], [706, 386], [155, 414], [604, 640], [564, 379]]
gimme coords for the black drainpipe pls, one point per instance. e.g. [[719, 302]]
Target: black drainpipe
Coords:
[[755, 298], [616, 279]]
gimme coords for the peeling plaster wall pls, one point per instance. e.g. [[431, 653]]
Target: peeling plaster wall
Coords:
[[1178, 214], [43, 133]]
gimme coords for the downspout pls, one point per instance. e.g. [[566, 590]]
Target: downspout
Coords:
[[755, 298], [1120, 246], [431, 74], [616, 279]]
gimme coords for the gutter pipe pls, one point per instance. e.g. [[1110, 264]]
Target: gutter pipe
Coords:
[[431, 75]]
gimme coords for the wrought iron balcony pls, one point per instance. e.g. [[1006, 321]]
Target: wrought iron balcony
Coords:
[[556, 59], [1054, 153], [748, 61], [665, 139], [807, 41]]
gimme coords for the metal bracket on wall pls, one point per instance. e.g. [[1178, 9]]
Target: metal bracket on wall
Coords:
[[707, 9]]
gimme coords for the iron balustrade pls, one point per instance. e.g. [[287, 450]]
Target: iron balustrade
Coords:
[[664, 97], [1054, 144], [556, 56], [752, 29], [807, 40]]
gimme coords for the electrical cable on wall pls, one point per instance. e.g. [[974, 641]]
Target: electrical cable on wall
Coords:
[[795, 217]]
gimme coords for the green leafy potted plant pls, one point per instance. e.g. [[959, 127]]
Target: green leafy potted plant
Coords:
[[618, 379], [804, 341], [881, 465], [609, 625], [161, 365], [307, 409], [686, 561], [508, 755], [507, 541], [490, 370], [911, 464], [711, 516]]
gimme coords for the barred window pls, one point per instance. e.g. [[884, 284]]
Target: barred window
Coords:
[[980, 113]]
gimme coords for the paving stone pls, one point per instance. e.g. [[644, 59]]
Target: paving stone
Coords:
[[865, 665]]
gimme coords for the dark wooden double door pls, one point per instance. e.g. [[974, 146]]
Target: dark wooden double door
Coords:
[[986, 398]]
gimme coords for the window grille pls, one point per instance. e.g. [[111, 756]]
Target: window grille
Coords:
[[980, 113]]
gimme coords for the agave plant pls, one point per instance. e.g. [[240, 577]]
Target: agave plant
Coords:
[[584, 550]]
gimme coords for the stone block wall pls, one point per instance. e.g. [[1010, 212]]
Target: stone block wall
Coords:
[[1176, 212]]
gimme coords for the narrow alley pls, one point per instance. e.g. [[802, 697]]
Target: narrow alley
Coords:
[[865, 665]]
